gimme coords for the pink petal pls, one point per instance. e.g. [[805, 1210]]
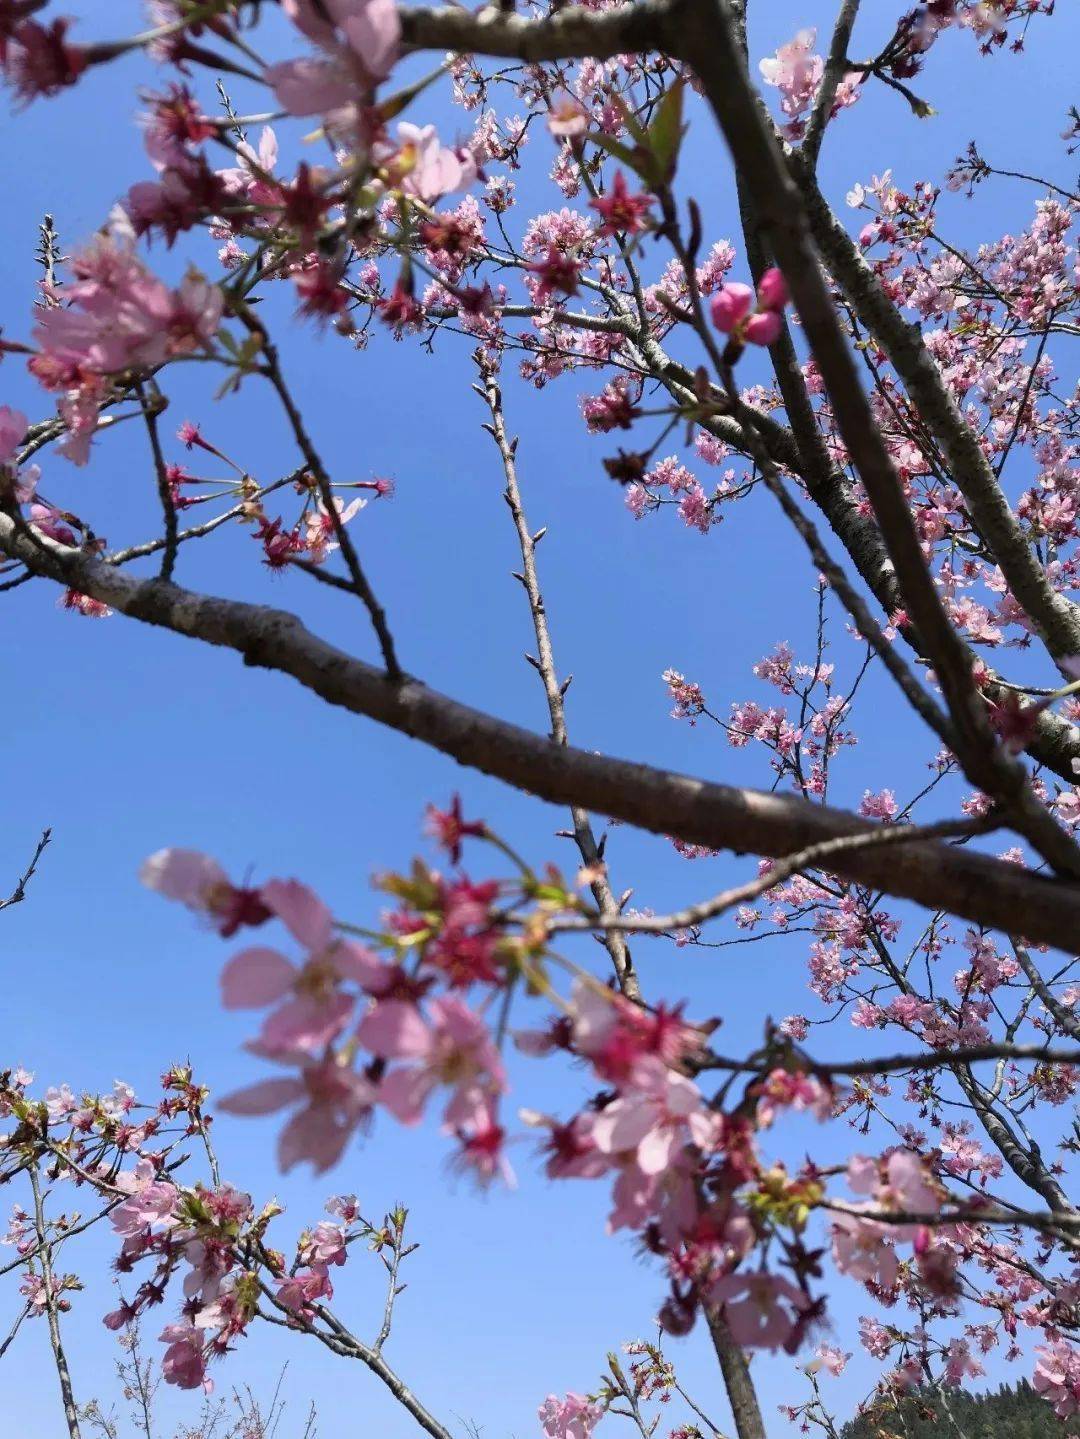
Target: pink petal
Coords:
[[683, 1096], [374, 33], [764, 328], [623, 1125], [862, 1174], [182, 874], [12, 429], [266, 1097], [655, 1151], [358, 963], [315, 1135], [469, 1108], [305, 17], [306, 1023], [256, 977], [394, 1029], [301, 911], [309, 86], [404, 1092]]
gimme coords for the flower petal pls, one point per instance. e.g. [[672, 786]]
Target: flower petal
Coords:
[[256, 977]]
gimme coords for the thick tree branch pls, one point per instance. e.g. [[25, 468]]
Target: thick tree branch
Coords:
[[1066, 1020], [745, 1409], [990, 892], [574, 32]]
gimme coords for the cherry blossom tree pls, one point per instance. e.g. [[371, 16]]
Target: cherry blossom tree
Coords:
[[895, 395]]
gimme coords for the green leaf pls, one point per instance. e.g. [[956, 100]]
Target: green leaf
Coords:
[[393, 105], [639, 161], [667, 130]]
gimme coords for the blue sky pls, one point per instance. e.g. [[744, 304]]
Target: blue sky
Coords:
[[125, 739]]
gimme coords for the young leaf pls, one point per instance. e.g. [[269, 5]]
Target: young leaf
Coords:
[[667, 130]]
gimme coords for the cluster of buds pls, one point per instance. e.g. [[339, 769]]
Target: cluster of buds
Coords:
[[735, 313]]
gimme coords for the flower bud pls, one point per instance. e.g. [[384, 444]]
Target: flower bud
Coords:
[[730, 306], [772, 290]]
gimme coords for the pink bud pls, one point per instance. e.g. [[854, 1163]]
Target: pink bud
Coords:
[[772, 292], [731, 305], [763, 328]]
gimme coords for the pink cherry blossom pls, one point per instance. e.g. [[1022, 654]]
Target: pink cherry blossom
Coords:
[[150, 1201], [325, 1245], [573, 1417], [1057, 1376], [567, 118], [763, 328], [456, 1051], [298, 1292], [184, 1362], [772, 290], [797, 73], [657, 1115], [861, 1249], [314, 1006], [200, 883], [833, 1360], [370, 29], [762, 1310], [419, 164], [333, 1101]]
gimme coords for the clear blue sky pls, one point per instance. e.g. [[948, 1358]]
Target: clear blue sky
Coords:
[[124, 739]]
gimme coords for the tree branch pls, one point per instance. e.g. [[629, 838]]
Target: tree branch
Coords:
[[988, 891], [18, 894], [67, 1395], [574, 32], [584, 836], [814, 857], [796, 1061], [707, 40], [835, 66], [1057, 619]]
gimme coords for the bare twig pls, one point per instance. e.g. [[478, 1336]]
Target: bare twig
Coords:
[[71, 1412], [584, 836], [18, 894], [788, 1057], [813, 857], [151, 408], [361, 585]]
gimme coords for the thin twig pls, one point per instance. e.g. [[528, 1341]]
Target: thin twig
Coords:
[[795, 1060], [151, 408], [835, 66], [18, 894], [814, 856], [71, 1412], [584, 835], [273, 371]]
